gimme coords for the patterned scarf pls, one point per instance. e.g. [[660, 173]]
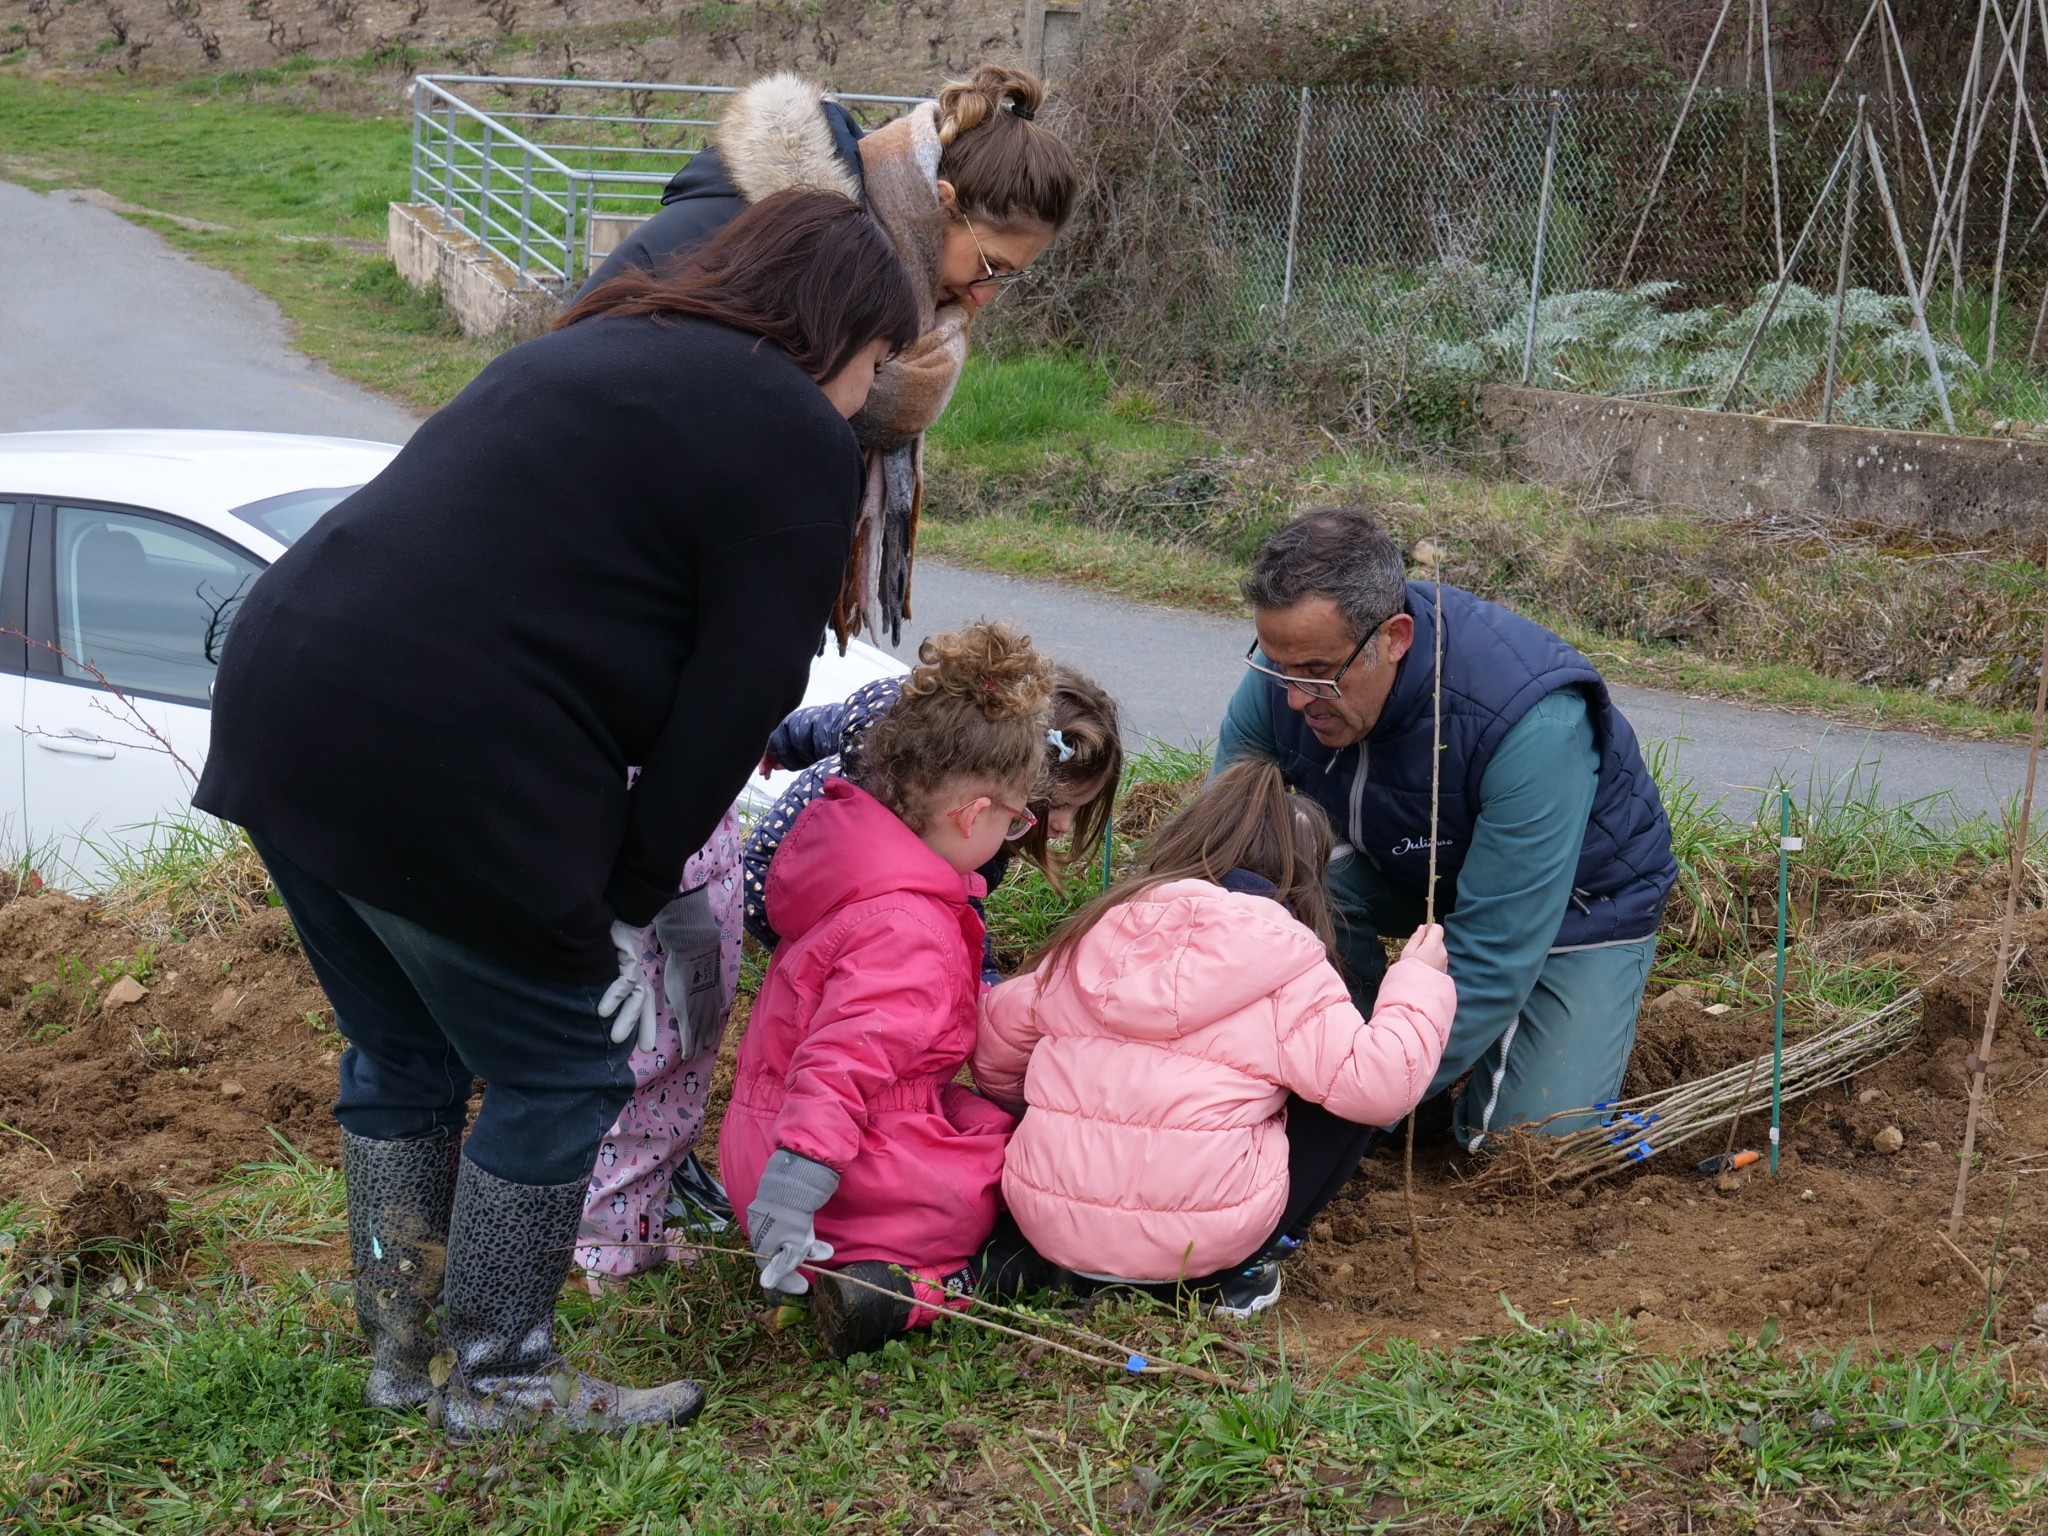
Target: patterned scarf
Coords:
[[900, 167]]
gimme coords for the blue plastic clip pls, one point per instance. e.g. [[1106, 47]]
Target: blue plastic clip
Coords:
[[1135, 1364], [1607, 1103], [1639, 1151]]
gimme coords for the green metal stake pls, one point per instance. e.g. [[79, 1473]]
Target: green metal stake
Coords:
[[1787, 846], [1108, 850]]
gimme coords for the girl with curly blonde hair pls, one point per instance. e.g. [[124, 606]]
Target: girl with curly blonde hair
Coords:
[[847, 1139]]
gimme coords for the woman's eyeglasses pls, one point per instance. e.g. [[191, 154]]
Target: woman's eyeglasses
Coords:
[[990, 276]]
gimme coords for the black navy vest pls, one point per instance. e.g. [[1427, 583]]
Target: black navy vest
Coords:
[[1496, 667]]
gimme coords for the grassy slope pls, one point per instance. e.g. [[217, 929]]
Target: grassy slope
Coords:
[[1061, 475]]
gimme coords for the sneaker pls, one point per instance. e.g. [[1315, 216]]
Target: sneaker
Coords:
[[1252, 1289], [698, 1201]]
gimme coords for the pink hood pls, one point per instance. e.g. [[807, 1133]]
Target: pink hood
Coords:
[[1156, 1065], [856, 851]]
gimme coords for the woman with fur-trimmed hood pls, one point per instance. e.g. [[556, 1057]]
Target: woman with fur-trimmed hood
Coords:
[[970, 189]]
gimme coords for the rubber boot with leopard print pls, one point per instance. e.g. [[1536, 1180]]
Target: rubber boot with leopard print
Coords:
[[508, 1253], [399, 1195]]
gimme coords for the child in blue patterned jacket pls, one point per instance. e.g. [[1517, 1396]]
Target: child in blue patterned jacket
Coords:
[[1083, 762]]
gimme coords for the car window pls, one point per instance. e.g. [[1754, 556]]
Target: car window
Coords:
[[144, 604], [286, 518]]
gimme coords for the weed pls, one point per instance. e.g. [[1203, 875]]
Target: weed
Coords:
[[190, 874], [141, 965], [290, 1199], [166, 1050], [59, 1005], [63, 1424]]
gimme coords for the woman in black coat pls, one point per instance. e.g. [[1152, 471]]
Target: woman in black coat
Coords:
[[616, 549]]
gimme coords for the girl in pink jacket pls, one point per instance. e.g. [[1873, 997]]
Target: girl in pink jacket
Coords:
[[847, 1138], [1198, 1082]]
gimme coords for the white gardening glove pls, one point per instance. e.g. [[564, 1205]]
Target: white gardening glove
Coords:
[[692, 977], [631, 997], [780, 1221]]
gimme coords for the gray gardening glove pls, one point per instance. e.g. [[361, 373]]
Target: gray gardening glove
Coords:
[[692, 980], [630, 997], [780, 1223]]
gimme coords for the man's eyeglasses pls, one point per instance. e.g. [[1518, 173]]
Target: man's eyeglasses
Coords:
[[990, 277], [1312, 687], [1022, 819]]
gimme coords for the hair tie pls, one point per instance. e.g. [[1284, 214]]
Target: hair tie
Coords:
[[1058, 743], [1018, 109]]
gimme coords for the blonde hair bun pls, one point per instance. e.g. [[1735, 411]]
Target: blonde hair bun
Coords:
[[974, 707], [965, 105], [988, 665]]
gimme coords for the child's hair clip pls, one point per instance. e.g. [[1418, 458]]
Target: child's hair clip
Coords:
[[1058, 743]]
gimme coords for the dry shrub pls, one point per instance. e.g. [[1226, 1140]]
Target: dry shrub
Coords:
[[1140, 270], [1872, 606]]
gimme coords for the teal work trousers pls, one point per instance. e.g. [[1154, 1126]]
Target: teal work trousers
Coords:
[[1566, 1048]]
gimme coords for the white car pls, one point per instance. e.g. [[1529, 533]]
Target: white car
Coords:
[[125, 553]]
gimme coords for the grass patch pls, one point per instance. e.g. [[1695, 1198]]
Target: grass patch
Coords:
[[302, 194], [1109, 562], [243, 1413]]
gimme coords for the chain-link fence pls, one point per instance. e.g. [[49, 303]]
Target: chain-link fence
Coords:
[[1357, 217], [1453, 237]]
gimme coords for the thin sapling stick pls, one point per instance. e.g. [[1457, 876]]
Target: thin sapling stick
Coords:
[[1436, 764], [2016, 863]]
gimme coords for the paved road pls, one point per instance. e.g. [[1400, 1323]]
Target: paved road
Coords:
[[102, 324]]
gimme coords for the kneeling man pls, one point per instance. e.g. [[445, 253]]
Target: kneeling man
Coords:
[[1553, 851]]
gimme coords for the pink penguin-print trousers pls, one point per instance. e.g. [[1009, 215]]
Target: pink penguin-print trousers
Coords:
[[622, 1232]]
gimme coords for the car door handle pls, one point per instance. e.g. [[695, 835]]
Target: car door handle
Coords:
[[76, 746]]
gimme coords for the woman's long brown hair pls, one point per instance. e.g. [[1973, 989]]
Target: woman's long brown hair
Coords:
[[807, 270], [1244, 818]]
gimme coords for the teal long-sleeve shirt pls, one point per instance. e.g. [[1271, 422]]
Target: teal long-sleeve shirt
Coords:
[[1535, 797]]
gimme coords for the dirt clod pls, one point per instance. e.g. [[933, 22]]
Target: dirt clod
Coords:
[[1890, 1141], [108, 1214], [124, 993]]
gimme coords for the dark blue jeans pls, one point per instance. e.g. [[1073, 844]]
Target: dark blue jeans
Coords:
[[425, 1017]]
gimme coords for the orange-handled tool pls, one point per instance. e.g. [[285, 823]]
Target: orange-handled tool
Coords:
[[1728, 1162]]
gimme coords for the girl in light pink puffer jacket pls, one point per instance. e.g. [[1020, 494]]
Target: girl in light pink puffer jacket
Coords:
[[1195, 1078]]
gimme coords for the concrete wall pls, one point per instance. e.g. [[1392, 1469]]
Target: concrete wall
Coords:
[[1738, 465], [482, 292]]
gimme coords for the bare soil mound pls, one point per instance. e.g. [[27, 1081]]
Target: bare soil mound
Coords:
[[109, 1107], [231, 1039], [1846, 1243]]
